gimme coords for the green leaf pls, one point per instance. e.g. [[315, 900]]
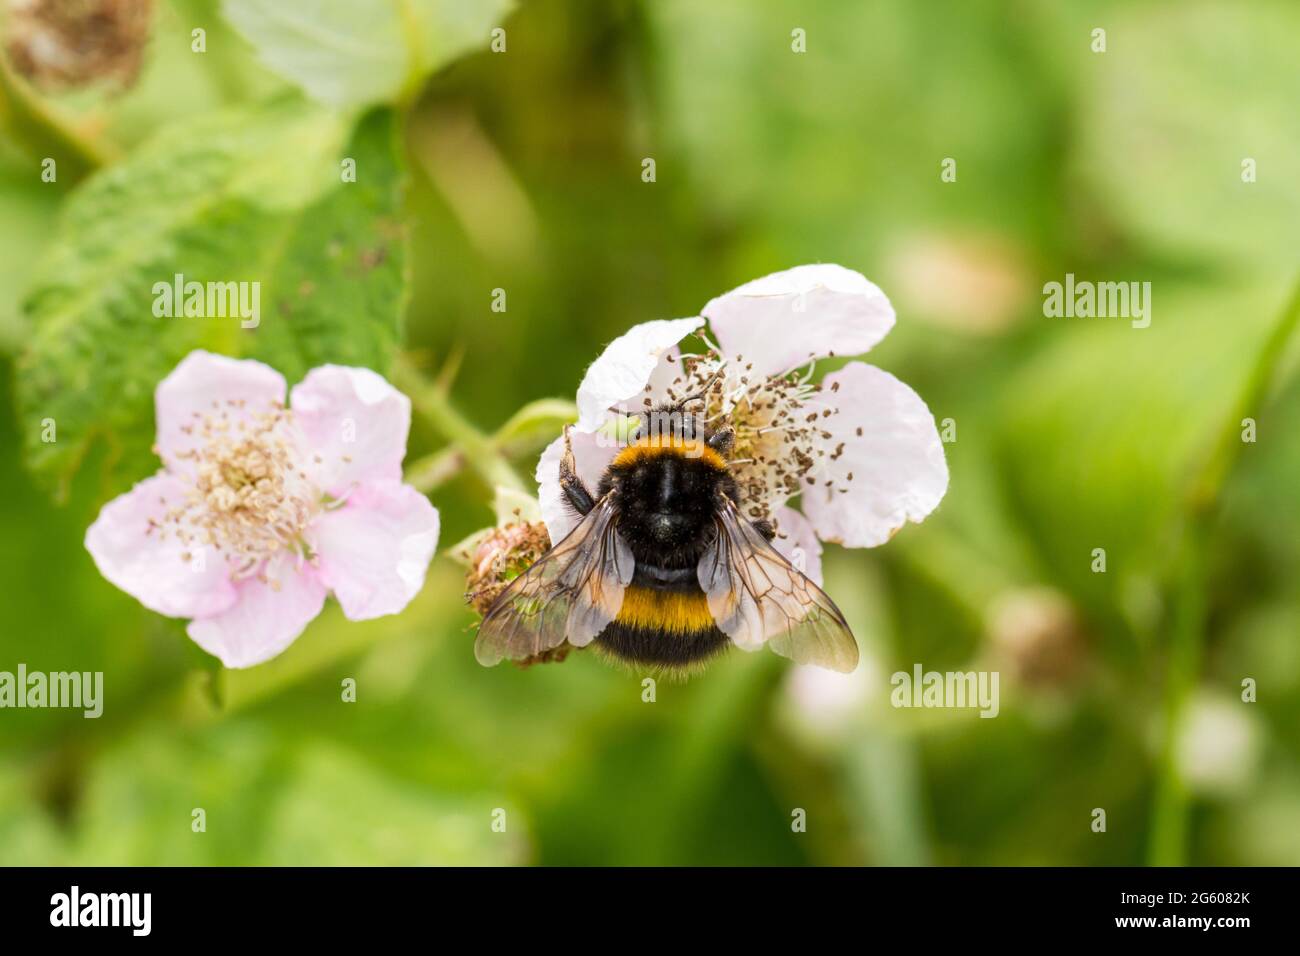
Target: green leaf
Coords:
[[536, 425], [349, 54], [252, 195], [510, 505]]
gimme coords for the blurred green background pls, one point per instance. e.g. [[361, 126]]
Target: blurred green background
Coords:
[[1120, 690]]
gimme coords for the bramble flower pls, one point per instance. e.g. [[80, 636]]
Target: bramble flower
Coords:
[[858, 448], [260, 509], [499, 556]]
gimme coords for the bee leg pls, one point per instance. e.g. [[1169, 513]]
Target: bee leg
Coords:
[[722, 440], [765, 528], [570, 483]]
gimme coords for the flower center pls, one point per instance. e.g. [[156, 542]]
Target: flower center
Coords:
[[248, 496], [779, 421]]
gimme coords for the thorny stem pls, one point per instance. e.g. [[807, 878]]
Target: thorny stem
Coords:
[[1169, 828], [480, 452]]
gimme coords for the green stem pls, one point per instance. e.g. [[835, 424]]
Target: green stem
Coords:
[[44, 131], [1169, 826], [1171, 806], [433, 471], [481, 452]]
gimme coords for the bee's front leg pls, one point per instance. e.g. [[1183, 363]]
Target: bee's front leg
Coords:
[[570, 483]]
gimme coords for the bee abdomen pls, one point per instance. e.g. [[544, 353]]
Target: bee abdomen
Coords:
[[664, 628]]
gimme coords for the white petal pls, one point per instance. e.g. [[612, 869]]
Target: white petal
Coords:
[[374, 550], [355, 422], [592, 454], [626, 365], [897, 464], [266, 619], [661, 380], [797, 541], [782, 320], [139, 552], [212, 386]]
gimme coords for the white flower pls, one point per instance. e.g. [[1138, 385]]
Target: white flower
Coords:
[[859, 449]]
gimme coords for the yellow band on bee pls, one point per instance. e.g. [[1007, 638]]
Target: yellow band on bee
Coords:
[[654, 445], [672, 611]]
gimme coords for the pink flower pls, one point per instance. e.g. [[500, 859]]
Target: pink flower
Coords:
[[859, 449], [260, 509]]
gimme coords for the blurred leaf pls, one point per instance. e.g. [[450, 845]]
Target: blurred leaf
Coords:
[[349, 54], [28, 836], [819, 191], [249, 195], [1182, 96], [370, 817], [535, 425], [1102, 430], [141, 795], [26, 206], [510, 505]]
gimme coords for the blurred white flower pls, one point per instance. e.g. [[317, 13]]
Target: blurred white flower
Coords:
[[975, 283], [822, 706], [1218, 749]]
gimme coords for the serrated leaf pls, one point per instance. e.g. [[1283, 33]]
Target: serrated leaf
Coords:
[[251, 195], [349, 54]]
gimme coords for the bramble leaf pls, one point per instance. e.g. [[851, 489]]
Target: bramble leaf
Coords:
[[251, 196], [348, 54]]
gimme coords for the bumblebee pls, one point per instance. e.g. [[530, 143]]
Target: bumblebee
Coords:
[[663, 570]]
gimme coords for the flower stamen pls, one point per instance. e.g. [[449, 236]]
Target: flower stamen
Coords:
[[247, 498]]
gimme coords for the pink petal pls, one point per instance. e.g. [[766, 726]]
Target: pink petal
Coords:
[[797, 541], [626, 365], [354, 422], [148, 562], [782, 320], [375, 549], [592, 454], [267, 618], [897, 464], [213, 386]]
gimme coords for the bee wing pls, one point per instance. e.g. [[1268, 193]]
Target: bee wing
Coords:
[[573, 591], [756, 596]]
